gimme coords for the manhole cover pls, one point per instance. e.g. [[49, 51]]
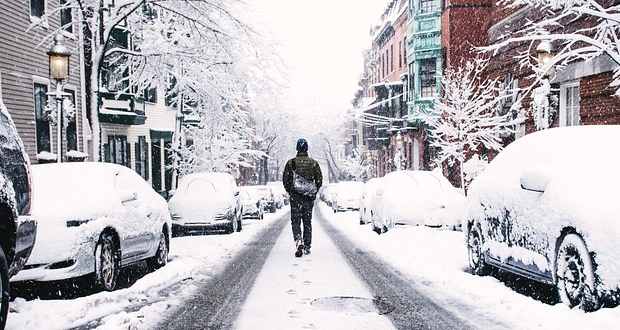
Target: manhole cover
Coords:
[[353, 304]]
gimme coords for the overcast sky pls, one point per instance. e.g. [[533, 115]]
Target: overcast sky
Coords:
[[322, 42]]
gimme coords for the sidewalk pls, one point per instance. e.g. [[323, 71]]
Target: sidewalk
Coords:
[[296, 293]]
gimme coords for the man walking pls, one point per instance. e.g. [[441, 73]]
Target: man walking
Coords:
[[306, 171]]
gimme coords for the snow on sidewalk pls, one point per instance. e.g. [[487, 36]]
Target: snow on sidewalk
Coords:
[[283, 294]]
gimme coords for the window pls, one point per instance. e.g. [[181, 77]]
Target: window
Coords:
[[37, 8], [71, 125], [569, 105], [428, 71], [392, 58], [142, 157], [427, 6], [171, 94], [119, 150], [401, 47], [150, 95], [66, 19], [42, 122], [115, 71]]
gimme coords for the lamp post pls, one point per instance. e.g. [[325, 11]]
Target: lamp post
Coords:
[[398, 158], [544, 55], [59, 70]]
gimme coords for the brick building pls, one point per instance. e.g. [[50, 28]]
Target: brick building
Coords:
[[580, 92]]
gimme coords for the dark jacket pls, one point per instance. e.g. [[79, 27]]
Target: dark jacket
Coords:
[[306, 167]]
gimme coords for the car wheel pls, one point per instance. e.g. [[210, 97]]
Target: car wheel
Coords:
[[232, 226], [575, 274], [474, 251], [106, 263], [4, 290], [160, 258]]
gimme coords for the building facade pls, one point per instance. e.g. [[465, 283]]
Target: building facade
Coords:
[[26, 33], [424, 62]]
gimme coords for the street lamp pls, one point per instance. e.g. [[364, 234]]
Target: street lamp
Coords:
[[544, 56], [398, 158], [59, 70]]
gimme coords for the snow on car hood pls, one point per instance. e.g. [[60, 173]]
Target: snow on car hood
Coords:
[[200, 207]]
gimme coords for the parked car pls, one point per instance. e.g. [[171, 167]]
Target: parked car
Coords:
[[269, 198], [204, 202], [17, 227], [544, 208], [368, 193], [326, 193], [94, 218], [282, 196], [347, 196], [416, 198], [252, 203]]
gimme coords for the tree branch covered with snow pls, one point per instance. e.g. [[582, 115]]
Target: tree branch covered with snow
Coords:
[[470, 116], [583, 44]]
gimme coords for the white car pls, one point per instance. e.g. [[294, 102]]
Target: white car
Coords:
[[279, 187], [252, 203], [347, 196], [94, 217], [416, 198], [368, 193], [205, 202], [546, 208]]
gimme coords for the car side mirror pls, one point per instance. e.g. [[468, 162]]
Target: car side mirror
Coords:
[[127, 196], [535, 179]]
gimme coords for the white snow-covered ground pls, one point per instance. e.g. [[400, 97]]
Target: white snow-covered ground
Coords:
[[436, 260]]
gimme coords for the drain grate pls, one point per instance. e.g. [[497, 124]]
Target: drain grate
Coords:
[[353, 304]]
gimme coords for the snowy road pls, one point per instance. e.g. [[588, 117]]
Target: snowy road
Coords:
[[415, 258], [317, 291]]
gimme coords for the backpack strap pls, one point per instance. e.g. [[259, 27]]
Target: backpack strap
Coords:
[[294, 169]]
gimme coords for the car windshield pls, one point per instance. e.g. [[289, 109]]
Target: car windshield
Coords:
[[200, 186]]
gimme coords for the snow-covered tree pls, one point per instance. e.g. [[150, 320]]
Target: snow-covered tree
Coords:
[[469, 116], [195, 44], [599, 34], [355, 168], [219, 143]]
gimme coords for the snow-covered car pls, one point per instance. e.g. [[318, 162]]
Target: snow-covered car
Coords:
[[278, 188], [94, 218], [370, 188], [416, 198], [17, 227], [252, 203], [327, 193], [269, 198], [347, 196], [205, 202], [541, 211]]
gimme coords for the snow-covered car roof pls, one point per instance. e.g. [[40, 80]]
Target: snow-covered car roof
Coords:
[[216, 181]]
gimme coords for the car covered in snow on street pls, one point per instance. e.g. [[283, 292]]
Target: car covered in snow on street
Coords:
[[278, 187], [347, 196], [204, 202], [270, 200], [17, 226], [546, 208], [252, 203], [94, 218], [370, 187], [416, 198]]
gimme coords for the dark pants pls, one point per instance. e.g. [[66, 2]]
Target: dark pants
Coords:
[[301, 211]]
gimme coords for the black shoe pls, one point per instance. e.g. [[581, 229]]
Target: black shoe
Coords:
[[300, 249], [307, 251]]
